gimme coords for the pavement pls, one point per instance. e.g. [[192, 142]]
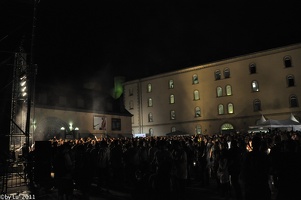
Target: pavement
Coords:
[[114, 192]]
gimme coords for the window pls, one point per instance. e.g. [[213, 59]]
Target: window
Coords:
[[197, 111], [133, 120], [287, 61], [227, 73], [195, 79], [116, 124], [256, 105], [228, 90], [293, 101], [198, 129], [130, 91], [220, 109], [149, 87], [217, 75], [173, 129], [172, 114], [230, 108], [171, 99], [151, 132], [131, 105], [219, 91], [252, 68], [150, 117], [150, 102], [255, 86], [290, 81], [196, 95], [170, 84]]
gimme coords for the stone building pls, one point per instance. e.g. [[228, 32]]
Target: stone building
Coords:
[[219, 97]]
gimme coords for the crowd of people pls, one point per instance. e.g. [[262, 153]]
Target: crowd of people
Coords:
[[245, 166]]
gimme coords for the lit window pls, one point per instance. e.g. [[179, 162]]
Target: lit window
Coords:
[[294, 101], [219, 91], [150, 117], [198, 129], [195, 79], [227, 73], [171, 84], [150, 102], [173, 129], [230, 108], [287, 61], [217, 75], [220, 109], [228, 90], [172, 114], [151, 132], [252, 68], [196, 95], [256, 105], [197, 112], [172, 99], [255, 86], [290, 81], [149, 87]]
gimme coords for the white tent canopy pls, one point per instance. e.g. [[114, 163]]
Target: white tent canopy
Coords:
[[291, 122]]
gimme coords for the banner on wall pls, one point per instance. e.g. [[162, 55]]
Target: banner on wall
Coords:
[[100, 123]]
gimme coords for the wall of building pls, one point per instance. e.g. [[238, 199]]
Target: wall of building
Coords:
[[48, 122], [273, 94]]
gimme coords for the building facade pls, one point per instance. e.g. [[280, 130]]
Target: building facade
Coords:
[[219, 97], [68, 114]]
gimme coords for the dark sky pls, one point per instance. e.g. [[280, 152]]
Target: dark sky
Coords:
[[86, 40]]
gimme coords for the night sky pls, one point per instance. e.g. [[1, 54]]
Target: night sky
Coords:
[[84, 41]]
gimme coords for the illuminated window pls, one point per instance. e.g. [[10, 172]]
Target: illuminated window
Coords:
[[227, 73], [197, 111], [252, 68], [150, 117], [171, 84], [255, 86], [131, 105], [149, 87], [220, 109], [217, 75], [198, 129], [256, 105], [171, 99], [173, 129], [230, 108], [290, 81], [294, 101], [196, 95], [151, 132], [219, 91], [172, 114], [287, 61], [195, 79], [150, 102], [228, 90]]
